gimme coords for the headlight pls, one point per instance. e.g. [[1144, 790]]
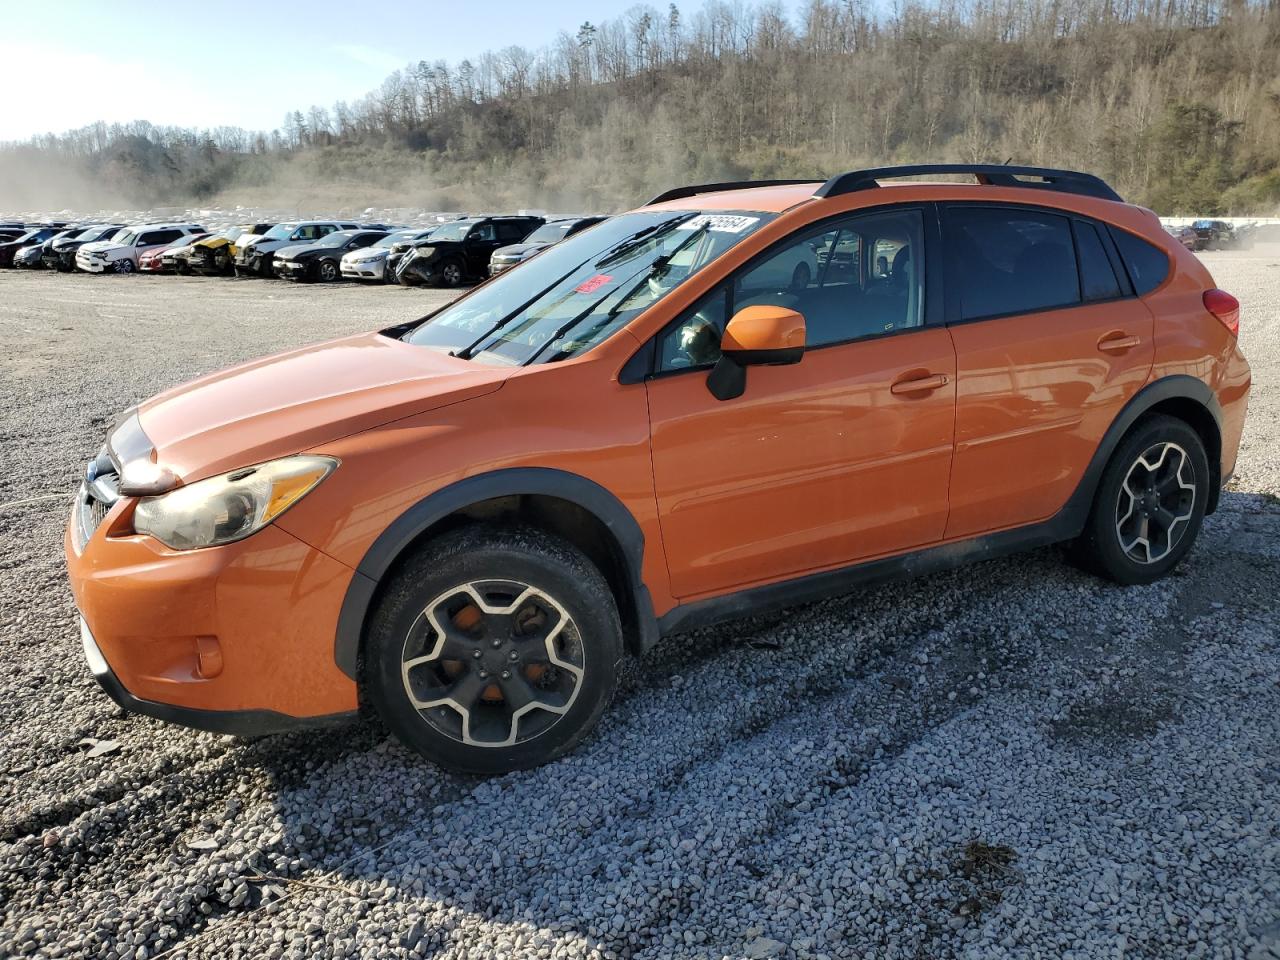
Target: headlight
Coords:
[[422, 251], [232, 506]]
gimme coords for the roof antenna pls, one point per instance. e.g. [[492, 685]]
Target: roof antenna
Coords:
[[1007, 162]]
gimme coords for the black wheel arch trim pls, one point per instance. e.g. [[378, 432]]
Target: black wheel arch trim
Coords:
[[1066, 524], [514, 481]]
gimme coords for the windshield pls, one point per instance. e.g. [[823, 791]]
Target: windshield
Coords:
[[402, 236], [338, 238], [452, 231], [280, 231], [550, 232], [576, 294]]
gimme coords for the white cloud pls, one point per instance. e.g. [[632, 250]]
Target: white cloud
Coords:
[[370, 57]]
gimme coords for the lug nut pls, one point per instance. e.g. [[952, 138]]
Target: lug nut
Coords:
[[483, 674], [476, 654], [506, 674], [514, 656], [497, 644]]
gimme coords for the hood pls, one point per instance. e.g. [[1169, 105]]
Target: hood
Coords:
[[296, 250], [518, 251], [100, 246], [295, 401], [362, 253], [212, 243]]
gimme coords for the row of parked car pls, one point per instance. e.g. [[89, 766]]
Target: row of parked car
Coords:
[[446, 254]]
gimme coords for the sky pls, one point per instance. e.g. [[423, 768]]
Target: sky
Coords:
[[242, 64]]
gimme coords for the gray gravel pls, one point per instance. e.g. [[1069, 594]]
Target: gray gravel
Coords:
[[1009, 760]]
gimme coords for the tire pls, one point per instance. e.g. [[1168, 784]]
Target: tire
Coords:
[[1149, 504], [450, 273], [124, 266], [800, 276], [328, 271], [182, 267], [474, 579]]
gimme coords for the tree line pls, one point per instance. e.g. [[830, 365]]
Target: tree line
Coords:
[[1175, 102]]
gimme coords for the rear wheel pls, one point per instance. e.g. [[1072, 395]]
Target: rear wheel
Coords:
[[1149, 505], [495, 649]]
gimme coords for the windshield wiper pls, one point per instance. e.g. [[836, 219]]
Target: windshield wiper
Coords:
[[627, 244], [466, 352], [656, 264]]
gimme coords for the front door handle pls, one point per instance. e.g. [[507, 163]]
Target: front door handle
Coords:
[[920, 385], [1118, 342]]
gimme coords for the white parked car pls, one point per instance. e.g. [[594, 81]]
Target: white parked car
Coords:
[[120, 253], [370, 263]]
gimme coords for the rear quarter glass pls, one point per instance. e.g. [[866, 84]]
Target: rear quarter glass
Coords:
[[1147, 264]]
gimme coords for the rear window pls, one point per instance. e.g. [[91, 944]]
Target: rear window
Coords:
[[1011, 261], [1097, 277], [1147, 264]]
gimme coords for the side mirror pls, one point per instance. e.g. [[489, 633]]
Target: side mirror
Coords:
[[756, 335]]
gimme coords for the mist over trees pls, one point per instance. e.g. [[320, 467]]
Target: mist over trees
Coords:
[[1175, 102]]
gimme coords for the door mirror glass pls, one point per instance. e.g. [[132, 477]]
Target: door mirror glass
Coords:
[[760, 334]]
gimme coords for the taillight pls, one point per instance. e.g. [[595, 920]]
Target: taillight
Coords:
[[1225, 307]]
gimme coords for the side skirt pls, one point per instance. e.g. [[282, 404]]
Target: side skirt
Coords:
[[1066, 525]]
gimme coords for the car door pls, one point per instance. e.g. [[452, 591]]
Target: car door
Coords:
[[481, 241], [1050, 344], [840, 457]]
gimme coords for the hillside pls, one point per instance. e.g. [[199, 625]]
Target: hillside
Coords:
[[1176, 102]]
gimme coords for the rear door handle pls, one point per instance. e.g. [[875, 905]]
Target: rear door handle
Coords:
[[1118, 342], [920, 385]]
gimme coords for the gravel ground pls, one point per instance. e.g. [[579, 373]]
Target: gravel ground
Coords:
[[1009, 760]]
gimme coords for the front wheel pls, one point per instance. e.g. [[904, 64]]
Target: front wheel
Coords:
[[450, 273], [1149, 505], [495, 649], [124, 266], [328, 271]]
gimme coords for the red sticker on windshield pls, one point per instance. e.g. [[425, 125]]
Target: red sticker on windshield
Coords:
[[594, 283]]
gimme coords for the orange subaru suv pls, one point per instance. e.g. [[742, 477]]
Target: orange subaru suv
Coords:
[[736, 397]]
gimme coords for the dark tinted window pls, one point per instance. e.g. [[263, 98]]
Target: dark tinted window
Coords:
[[512, 232], [1147, 264], [1011, 261], [1097, 278]]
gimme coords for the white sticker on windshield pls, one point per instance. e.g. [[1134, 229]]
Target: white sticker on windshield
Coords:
[[720, 222]]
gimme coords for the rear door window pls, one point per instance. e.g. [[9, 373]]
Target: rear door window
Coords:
[[1010, 261], [512, 232], [1147, 264]]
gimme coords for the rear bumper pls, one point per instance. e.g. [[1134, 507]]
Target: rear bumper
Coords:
[[237, 723]]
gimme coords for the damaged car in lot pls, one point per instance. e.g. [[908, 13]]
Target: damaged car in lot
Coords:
[[155, 260], [551, 232], [215, 255], [469, 520], [60, 252], [255, 257], [120, 254], [460, 250], [377, 262], [32, 238], [322, 259]]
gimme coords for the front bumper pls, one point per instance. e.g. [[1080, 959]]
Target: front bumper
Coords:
[[236, 639], [237, 723], [373, 270], [93, 265], [497, 266], [291, 269]]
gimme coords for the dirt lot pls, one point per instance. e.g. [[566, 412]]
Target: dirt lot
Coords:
[[1009, 760]]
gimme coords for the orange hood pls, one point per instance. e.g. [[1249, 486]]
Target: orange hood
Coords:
[[294, 401]]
